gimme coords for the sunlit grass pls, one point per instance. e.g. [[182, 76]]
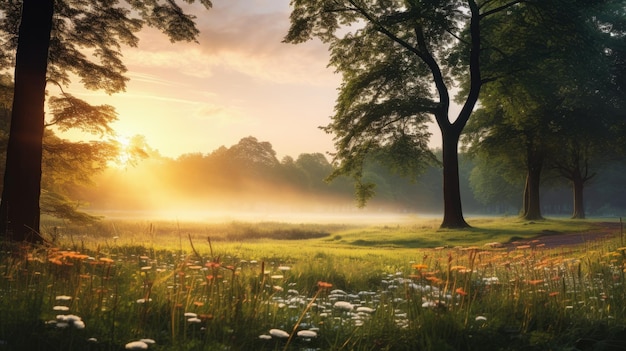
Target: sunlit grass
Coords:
[[186, 286]]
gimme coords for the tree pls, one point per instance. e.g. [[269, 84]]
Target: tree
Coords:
[[53, 39], [543, 111], [66, 164], [397, 72]]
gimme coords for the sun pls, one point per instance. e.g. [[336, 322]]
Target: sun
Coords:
[[124, 156]]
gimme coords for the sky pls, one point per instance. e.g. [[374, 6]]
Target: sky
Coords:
[[239, 80]]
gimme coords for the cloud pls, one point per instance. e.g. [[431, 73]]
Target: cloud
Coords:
[[220, 114], [242, 36]]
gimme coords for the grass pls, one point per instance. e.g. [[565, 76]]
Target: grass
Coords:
[[239, 286]]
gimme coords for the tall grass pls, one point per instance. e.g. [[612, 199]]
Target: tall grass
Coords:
[[184, 292]]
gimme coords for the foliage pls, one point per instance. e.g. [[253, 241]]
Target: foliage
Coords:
[[551, 111], [66, 164], [395, 61], [52, 41]]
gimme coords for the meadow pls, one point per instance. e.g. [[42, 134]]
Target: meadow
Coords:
[[167, 285]]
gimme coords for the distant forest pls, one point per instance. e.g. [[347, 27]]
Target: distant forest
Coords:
[[248, 176]]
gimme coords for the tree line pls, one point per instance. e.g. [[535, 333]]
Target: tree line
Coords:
[[248, 176]]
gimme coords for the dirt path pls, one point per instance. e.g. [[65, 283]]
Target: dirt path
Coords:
[[549, 239]]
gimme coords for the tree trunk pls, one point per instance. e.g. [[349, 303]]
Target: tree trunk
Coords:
[[452, 209], [578, 185], [532, 207], [19, 207]]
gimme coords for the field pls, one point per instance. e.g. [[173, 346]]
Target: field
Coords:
[[504, 284]]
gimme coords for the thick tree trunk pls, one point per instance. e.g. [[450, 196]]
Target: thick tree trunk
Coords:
[[532, 205], [19, 208], [578, 185], [452, 211]]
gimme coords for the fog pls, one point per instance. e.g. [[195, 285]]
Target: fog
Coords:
[[149, 192]]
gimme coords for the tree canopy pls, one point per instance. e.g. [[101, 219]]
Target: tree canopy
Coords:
[[51, 41], [556, 112], [399, 61]]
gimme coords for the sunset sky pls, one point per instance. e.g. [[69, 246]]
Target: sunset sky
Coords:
[[240, 80]]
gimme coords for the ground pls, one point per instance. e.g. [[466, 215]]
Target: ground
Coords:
[[550, 239]]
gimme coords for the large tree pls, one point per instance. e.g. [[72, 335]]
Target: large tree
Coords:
[[51, 40], [396, 59]]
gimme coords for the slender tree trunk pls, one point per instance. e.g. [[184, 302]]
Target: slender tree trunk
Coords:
[[578, 185], [19, 207], [532, 208], [452, 211], [525, 198]]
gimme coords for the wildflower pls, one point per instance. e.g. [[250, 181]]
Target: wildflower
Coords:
[[284, 268], [92, 340], [60, 308], [307, 334], [136, 345], [494, 244], [458, 268], [364, 309], [63, 298], [63, 321], [198, 303], [535, 282], [343, 305], [461, 292], [212, 264], [324, 285], [278, 288], [277, 276], [554, 293], [434, 280], [265, 337], [148, 341], [106, 260], [278, 333], [205, 316], [191, 315], [194, 320], [420, 266], [146, 268], [429, 304], [481, 319]]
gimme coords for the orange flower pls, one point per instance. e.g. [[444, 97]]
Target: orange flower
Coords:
[[461, 292], [106, 260], [212, 264], [420, 266], [535, 282], [554, 293], [56, 261], [324, 285]]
